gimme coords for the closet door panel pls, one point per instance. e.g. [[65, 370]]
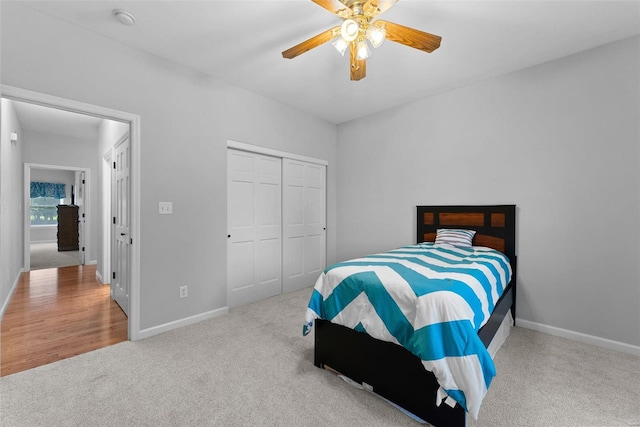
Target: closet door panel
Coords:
[[295, 257], [304, 222], [254, 220], [240, 255], [315, 249]]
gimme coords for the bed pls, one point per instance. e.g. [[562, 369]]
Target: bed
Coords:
[[390, 370]]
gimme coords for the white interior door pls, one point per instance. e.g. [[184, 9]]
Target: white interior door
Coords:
[[80, 181], [107, 224], [121, 236], [304, 223], [254, 220]]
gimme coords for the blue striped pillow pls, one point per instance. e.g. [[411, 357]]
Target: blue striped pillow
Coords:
[[460, 238]]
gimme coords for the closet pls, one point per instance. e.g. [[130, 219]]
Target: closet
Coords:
[[276, 222]]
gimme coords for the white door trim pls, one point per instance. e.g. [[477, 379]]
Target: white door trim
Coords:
[[82, 182], [275, 153], [105, 217], [25, 95]]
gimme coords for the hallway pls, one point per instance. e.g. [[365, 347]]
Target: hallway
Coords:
[[55, 314]]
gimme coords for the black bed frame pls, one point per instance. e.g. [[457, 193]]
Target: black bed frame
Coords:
[[390, 370]]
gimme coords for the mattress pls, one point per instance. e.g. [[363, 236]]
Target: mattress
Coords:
[[431, 299]]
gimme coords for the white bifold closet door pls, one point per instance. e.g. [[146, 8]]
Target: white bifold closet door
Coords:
[[254, 218], [303, 223], [276, 218]]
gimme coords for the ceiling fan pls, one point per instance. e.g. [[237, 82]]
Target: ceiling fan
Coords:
[[359, 25]]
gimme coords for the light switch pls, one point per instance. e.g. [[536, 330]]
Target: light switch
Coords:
[[165, 208]]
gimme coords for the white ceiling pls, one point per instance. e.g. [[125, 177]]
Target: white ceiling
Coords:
[[241, 42]]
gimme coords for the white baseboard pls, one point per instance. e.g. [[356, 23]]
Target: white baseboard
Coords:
[[149, 332], [92, 262], [6, 302], [99, 277], [580, 337]]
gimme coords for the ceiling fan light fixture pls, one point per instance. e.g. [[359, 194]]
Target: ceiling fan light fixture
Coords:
[[376, 35], [341, 45], [349, 30], [363, 51], [359, 28]]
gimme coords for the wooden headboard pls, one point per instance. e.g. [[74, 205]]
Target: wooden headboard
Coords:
[[495, 226]]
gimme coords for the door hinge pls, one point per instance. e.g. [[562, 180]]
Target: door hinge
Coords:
[[83, 181], [82, 215], [114, 219], [114, 165], [83, 249], [131, 241], [113, 275]]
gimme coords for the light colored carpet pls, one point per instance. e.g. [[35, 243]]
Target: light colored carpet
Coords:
[[252, 367], [46, 255]]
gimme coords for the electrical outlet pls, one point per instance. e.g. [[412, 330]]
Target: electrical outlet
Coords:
[[183, 291], [165, 208]]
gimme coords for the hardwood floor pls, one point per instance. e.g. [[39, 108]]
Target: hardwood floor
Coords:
[[55, 314]]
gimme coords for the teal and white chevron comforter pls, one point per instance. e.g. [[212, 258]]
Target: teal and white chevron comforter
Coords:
[[431, 299]]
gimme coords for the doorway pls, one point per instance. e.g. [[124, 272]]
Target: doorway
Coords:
[[133, 202], [56, 228]]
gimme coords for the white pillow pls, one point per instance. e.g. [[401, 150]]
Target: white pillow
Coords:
[[455, 237]]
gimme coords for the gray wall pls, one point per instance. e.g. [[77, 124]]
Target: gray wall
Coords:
[[186, 120], [11, 208], [559, 140]]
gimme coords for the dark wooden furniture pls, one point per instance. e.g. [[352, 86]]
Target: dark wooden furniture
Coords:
[[389, 369], [67, 228]]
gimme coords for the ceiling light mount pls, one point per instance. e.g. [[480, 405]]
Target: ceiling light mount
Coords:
[[125, 17]]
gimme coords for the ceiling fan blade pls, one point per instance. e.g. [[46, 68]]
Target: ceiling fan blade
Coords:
[[314, 41], [411, 37], [358, 66], [378, 7], [333, 6]]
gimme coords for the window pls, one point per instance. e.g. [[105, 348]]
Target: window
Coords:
[[44, 210], [45, 197]]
